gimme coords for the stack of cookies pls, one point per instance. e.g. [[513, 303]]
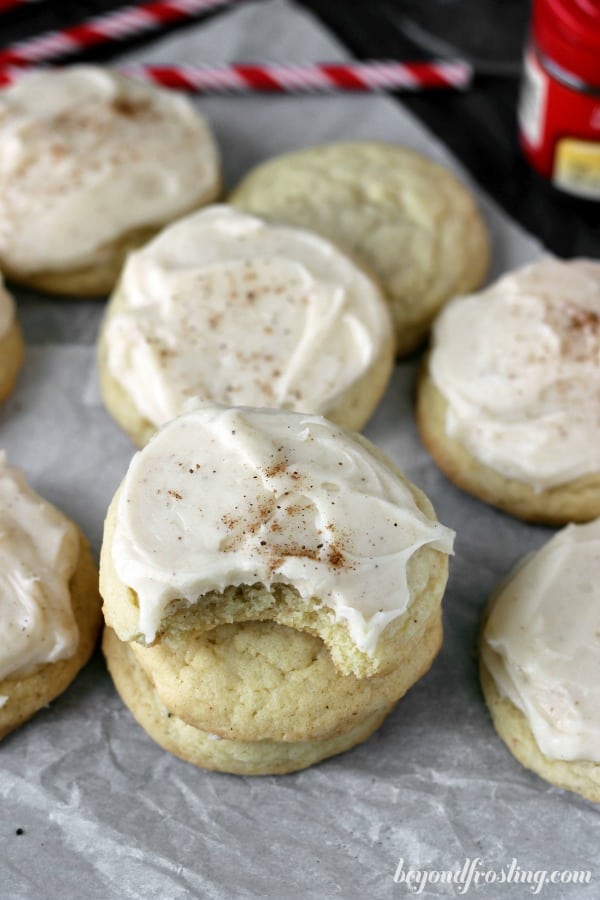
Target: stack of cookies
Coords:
[[271, 586]]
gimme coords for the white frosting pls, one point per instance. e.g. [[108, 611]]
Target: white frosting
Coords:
[[7, 310], [229, 308], [519, 366], [225, 497], [87, 155], [39, 548], [541, 643]]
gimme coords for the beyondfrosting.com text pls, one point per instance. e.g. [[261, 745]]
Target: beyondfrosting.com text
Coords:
[[473, 873]]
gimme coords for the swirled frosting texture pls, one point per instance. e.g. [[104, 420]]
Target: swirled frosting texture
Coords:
[[39, 549], [519, 367], [541, 643], [225, 497], [227, 307], [7, 310], [86, 156]]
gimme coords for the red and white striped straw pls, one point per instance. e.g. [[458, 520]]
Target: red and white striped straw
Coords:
[[277, 78], [231, 78], [114, 26]]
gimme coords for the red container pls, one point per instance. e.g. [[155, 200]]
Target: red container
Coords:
[[559, 108]]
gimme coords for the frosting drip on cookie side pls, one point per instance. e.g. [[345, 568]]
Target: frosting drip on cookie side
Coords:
[[39, 549], [225, 497], [519, 367], [541, 643], [232, 309], [86, 156], [7, 310]]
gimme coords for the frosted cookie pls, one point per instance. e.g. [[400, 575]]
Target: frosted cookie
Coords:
[[540, 660], [49, 601], [12, 349], [272, 587], [207, 750], [229, 309], [92, 164], [230, 515], [407, 219], [509, 406]]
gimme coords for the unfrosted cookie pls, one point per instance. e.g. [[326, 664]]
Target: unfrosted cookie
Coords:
[[508, 403], [12, 349], [92, 164], [226, 308], [49, 601], [540, 660], [407, 219], [260, 680], [236, 514], [207, 750]]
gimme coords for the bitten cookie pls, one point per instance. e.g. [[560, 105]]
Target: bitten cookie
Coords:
[[209, 751], [233, 514], [540, 660], [49, 601], [270, 581], [92, 164], [12, 349], [259, 680], [508, 403], [407, 219], [226, 308]]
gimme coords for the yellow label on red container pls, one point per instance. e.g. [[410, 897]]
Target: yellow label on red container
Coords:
[[577, 167]]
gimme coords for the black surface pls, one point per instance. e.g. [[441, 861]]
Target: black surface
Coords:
[[479, 125]]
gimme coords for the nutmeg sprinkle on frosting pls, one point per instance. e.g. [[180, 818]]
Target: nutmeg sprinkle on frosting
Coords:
[[87, 156], [231, 309], [519, 367], [270, 503]]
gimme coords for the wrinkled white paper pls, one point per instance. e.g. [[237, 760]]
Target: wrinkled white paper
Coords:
[[108, 814]]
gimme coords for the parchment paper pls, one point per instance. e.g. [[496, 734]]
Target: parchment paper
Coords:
[[105, 812]]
